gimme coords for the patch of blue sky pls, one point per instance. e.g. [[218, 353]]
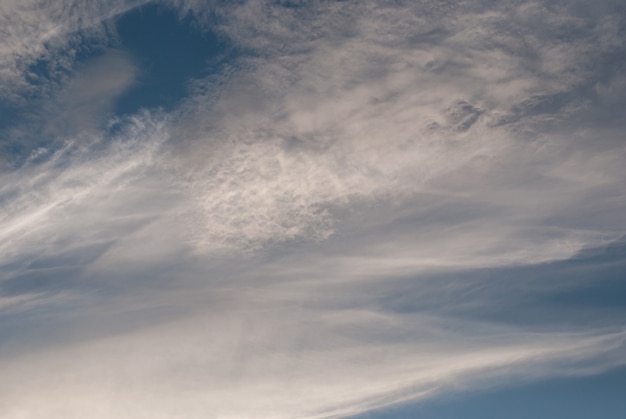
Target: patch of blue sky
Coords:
[[170, 51]]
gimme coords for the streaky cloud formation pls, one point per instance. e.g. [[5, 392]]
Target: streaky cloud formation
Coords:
[[361, 204]]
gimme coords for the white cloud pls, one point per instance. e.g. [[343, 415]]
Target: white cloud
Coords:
[[232, 259], [50, 205], [356, 113]]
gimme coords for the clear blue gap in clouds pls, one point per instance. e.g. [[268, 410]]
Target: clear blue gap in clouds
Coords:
[[170, 51]]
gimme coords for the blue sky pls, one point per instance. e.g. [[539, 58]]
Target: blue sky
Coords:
[[312, 209]]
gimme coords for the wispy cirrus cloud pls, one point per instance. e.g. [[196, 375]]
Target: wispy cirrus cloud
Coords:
[[241, 256]]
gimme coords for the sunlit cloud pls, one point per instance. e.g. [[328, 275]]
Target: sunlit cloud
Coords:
[[363, 204]]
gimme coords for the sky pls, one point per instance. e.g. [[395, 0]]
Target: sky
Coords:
[[312, 209]]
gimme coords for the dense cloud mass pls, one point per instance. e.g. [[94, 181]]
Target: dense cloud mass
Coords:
[[349, 205]]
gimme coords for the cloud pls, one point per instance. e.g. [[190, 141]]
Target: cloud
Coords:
[[48, 32], [242, 256], [252, 356], [404, 107], [63, 195]]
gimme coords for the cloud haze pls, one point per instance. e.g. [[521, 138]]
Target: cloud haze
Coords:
[[366, 203]]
